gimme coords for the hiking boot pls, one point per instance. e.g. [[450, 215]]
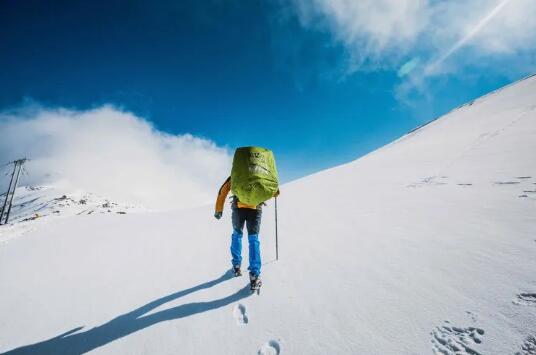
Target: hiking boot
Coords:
[[237, 271], [255, 282]]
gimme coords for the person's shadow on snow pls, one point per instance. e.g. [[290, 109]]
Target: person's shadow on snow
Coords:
[[74, 342]]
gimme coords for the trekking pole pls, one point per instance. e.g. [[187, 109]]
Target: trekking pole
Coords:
[[276, 241]]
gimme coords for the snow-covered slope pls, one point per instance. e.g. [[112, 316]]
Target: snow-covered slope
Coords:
[[34, 205], [425, 246]]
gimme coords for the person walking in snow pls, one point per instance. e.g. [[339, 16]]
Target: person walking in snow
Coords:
[[251, 216]]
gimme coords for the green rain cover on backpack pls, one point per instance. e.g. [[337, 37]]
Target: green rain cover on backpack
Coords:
[[254, 175]]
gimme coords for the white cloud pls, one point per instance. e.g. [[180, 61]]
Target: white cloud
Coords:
[[388, 33], [374, 31], [467, 37], [115, 154]]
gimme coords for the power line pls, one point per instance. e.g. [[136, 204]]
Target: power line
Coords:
[[6, 164]]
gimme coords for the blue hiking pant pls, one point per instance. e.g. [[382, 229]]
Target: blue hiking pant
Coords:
[[252, 219]]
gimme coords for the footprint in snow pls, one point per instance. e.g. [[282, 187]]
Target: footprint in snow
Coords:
[[473, 316], [240, 314], [525, 299], [451, 340], [528, 347], [270, 348]]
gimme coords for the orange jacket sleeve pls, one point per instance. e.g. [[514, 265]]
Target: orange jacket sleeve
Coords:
[[222, 194]]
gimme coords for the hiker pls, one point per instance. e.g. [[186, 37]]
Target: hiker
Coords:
[[248, 213]]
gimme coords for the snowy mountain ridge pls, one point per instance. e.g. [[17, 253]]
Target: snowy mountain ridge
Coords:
[[46, 203]]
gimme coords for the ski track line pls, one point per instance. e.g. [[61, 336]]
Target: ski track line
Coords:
[[528, 347], [240, 314], [451, 340], [272, 348]]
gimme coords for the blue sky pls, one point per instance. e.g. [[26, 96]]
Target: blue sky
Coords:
[[319, 82]]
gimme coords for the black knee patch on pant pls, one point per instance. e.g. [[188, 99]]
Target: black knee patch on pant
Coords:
[[251, 217]]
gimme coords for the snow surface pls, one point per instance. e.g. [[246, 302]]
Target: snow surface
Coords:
[[34, 205], [427, 245]]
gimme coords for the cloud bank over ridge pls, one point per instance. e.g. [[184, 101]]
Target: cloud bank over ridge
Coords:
[[115, 154], [391, 33]]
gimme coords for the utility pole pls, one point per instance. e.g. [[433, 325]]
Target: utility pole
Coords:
[[10, 194]]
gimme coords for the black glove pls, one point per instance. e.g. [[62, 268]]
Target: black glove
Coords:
[[217, 215]]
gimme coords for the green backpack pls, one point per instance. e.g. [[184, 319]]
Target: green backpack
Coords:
[[254, 175]]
